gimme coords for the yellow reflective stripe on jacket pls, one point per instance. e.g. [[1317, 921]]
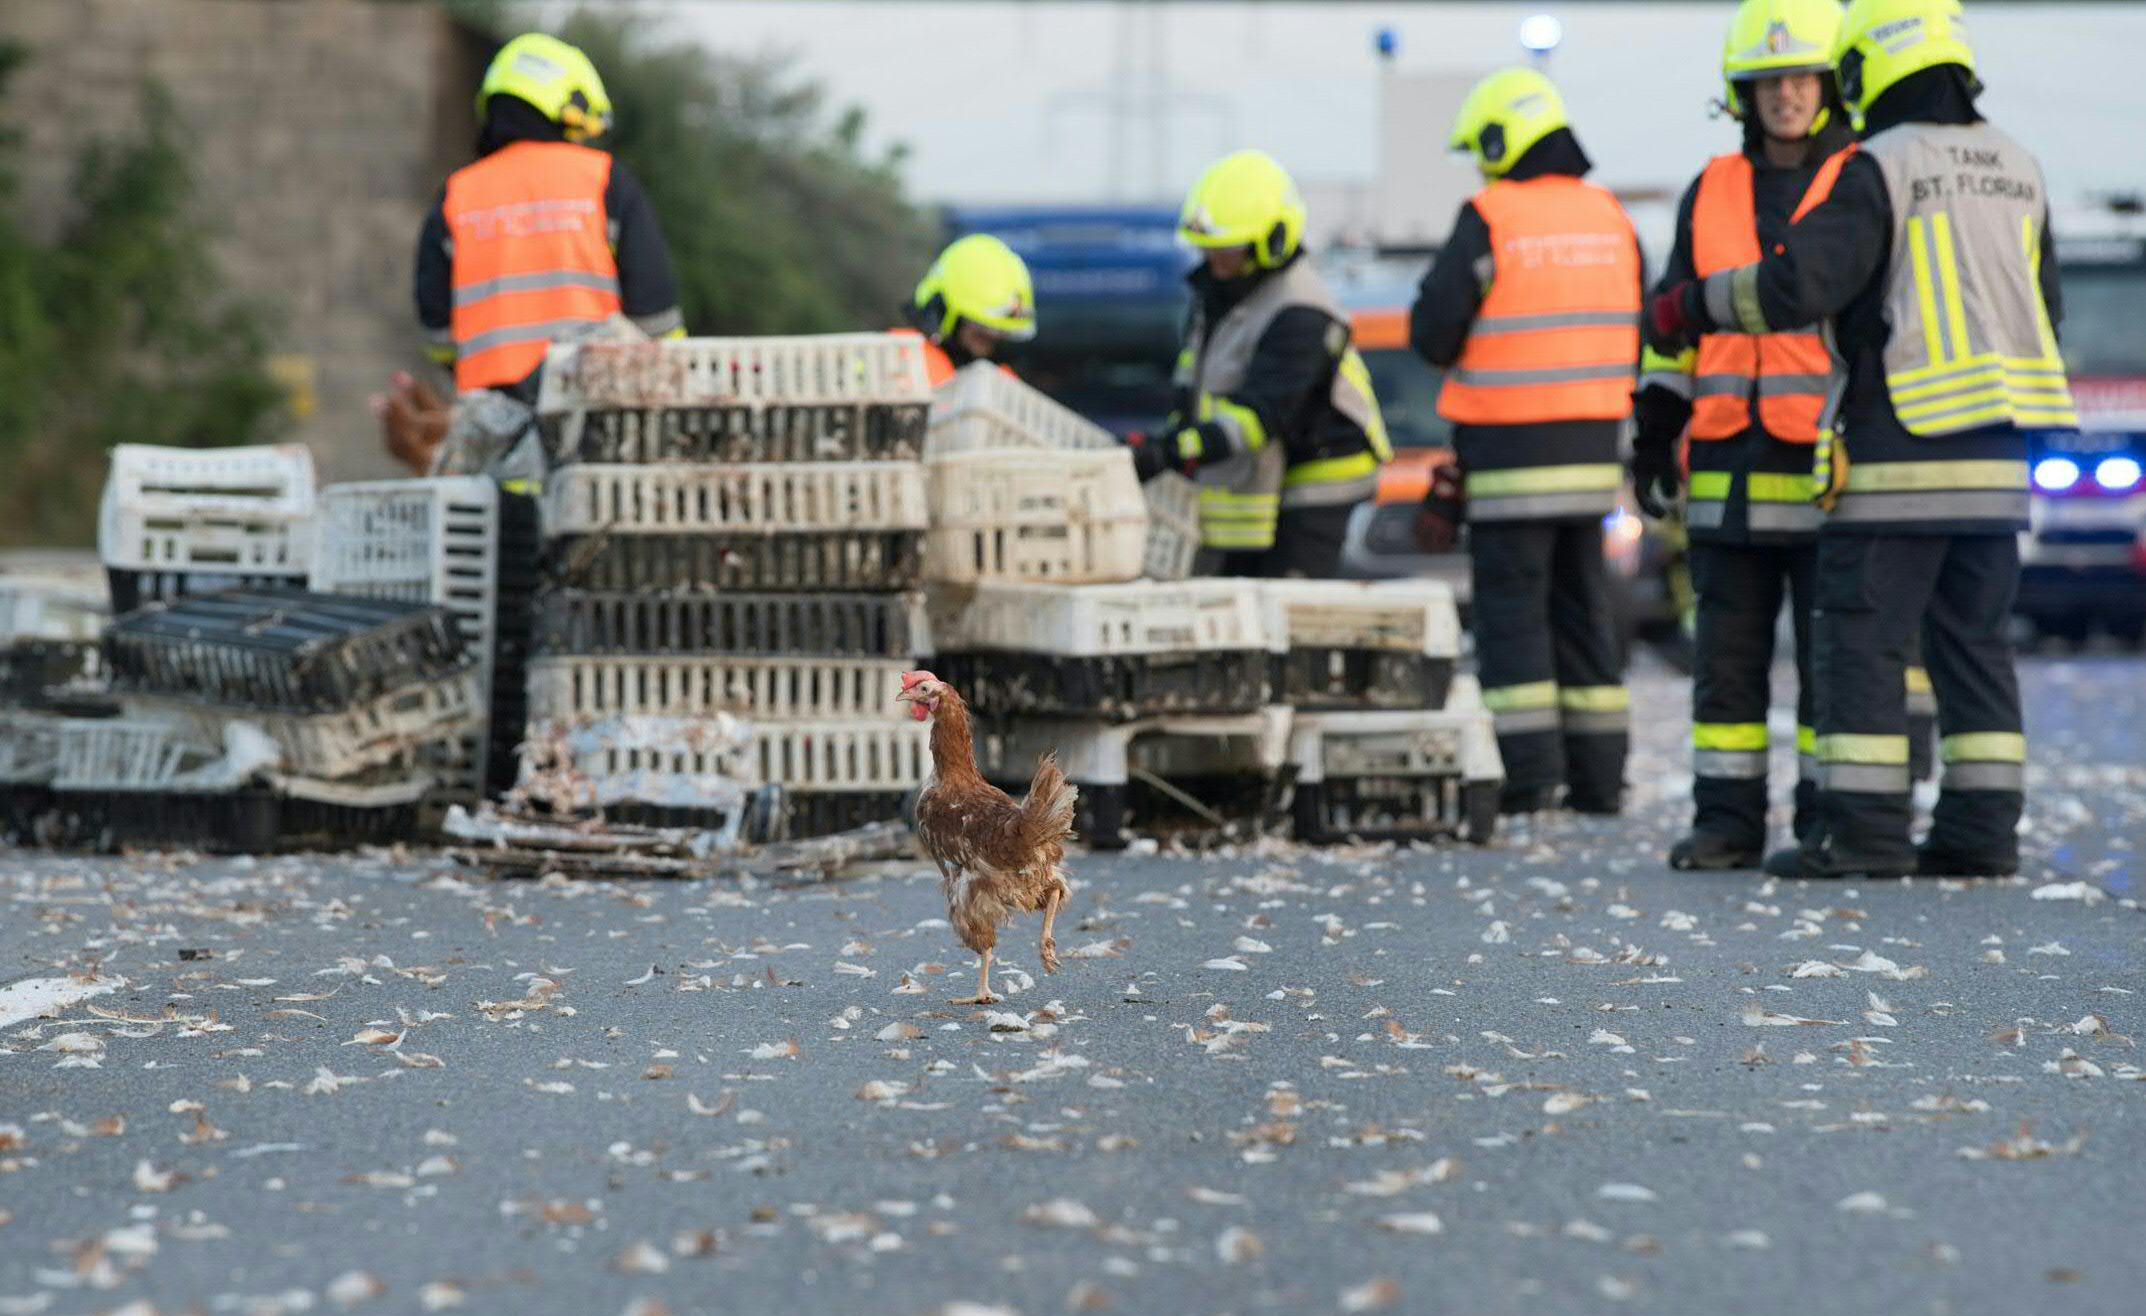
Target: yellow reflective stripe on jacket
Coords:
[[1883, 751], [1545, 479], [1353, 372], [1807, 740], [1534, 694], [1332, 470], [1674, 373], [1744, 736], [1985, 746], [1898, 477], [1238, 521], [1918, 680], [1779, 487], [1594, 698], [1710, 485], [1239, 420]]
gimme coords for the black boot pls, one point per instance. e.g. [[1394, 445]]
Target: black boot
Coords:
[[1931, 861], [1711, 852], [1527, 799], [1802, 861]]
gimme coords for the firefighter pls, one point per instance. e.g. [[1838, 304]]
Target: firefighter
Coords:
[[977, 295], [543, 233], [1750, 407], [1929, 260], [1275, 416], [1532, 306]]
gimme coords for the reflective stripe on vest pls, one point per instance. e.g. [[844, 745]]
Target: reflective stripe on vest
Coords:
[[1788, 372], [1539, 493], [1971, 343], [1241, 497], [532, 256], [1557, 334]]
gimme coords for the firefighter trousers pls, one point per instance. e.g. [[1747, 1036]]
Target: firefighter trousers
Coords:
[[1307, 543], [1873, 592], [1740, 589], [1547, 653]]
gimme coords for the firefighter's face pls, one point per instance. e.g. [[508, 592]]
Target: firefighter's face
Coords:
[[1788, 104], [977, 341], [1228, 262]]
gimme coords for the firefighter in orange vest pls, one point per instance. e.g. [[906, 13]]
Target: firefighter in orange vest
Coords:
[[976, 296], [1533, 309], [543, 232], [1749, 406]]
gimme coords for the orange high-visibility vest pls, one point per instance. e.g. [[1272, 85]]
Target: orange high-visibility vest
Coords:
[[532, 256], [938, 366], [1788, 371], [1557, 336]]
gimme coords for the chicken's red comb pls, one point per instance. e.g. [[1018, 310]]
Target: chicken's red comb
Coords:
[[910, 679]]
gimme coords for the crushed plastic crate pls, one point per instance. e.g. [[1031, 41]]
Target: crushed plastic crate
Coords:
[[433, 723], [31, 670], [256, 820], [814, 369], [224, 511], [1232, 760], [131, 590], [50, 611], [821, 561], [1116, 652], [734, 624], [284, 650], [1373, 776], [1363, 645], [785, 815], [762, 689], [771, 498], [1071, 517], [1173, 539], [29, 747], [983, 407]]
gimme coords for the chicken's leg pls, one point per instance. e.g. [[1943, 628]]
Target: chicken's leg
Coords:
[[1050, 943], [983, 986]]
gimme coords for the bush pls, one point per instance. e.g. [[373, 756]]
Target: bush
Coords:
[[116, 331]]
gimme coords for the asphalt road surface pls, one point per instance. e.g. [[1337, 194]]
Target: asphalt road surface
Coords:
[[1548, 1076]]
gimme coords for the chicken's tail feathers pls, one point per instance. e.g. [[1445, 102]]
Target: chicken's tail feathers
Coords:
[[1047, 812]]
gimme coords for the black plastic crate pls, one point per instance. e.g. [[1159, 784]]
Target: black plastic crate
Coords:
[[812, 561], [514, 602], [1395, 809], [22, 807], [839, 625], [29, 668], [1107, 816], [133, 589], [228, 822], [1116, 688], [287, 650], [763, 432], [779, 815], [1331, 679]]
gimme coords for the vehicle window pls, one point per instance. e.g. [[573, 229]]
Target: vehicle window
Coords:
[[2104, 329], [1407, 388]]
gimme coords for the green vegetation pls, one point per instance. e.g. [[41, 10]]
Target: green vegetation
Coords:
[[777, 218], [116, 330]]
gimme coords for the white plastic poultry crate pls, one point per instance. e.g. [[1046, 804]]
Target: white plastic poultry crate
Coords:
[[1363, 644], [766, 689], [1139, 617], [1036, 515], [29, 746], [1397, 775], [1173, 540], [119, 754], [229, 511], [760, 498], [433, 721], [38, 610], [984, 407], [684, 372], [423, 541], [812, 757]]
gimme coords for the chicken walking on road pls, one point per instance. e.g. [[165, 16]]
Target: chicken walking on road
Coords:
[[997, 857]]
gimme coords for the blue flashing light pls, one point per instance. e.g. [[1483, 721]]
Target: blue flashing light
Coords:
[[1540, 33], [2117, 474], [2055, 474], [1387, 41]]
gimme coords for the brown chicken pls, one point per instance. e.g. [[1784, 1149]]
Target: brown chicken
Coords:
[[414, 420], [997, 858]]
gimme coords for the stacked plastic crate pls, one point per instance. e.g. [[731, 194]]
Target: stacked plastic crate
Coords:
[[48, 641], [733, 543], [467, 545], [268, 719], [1041, 533], [1386, 742], [180, 521]]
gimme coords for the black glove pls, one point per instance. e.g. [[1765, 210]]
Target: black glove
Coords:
[[1676, 317], [1655, 477], [1445, 506], [1169, 451]]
